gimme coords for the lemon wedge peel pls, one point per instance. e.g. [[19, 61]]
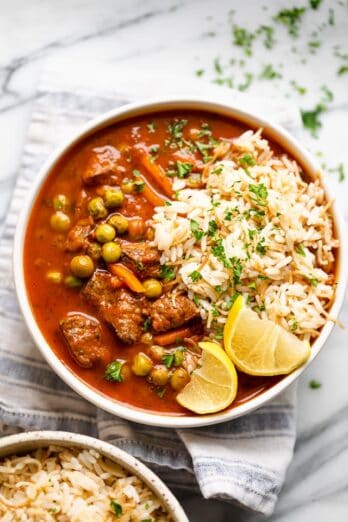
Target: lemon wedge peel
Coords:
[[260, 347], [213, 386]]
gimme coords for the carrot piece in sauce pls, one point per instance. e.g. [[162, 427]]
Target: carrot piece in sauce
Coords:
[[155, 171], [171, 337], [127, 276]]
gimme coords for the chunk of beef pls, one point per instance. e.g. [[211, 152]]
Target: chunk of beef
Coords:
[[171, 311], [125, 312], [77, 238], [141, 258], [101, 166], [127, 316], [83, 336]]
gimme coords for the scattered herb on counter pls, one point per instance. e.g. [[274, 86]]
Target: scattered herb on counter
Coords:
[[315, 3], [291, 18], [268, 73], [243, 38], [340, 171], [268, 33], [314, 384], [311, 119], [342, 70], [217, 66], [199, 72], [248, 78], [301, 90]]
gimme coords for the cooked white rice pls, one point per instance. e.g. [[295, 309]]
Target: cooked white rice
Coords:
[[71, 485], [282, 261]]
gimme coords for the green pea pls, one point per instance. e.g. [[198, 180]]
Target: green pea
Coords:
[[94, 250], [128, 186], [178, 357], [61, 202], [60, 222], [142, 365], [120, 223], [153, 288], [179, 379], [111, 252], [54, 277], [105, 233], [82, 266], [113, 198], [97, 208], [72, 282]]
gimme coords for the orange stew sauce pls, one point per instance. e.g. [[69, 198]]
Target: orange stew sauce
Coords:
[[45, 251]]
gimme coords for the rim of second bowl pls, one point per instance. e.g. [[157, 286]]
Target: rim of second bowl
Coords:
[[278, 134], [28, 441]]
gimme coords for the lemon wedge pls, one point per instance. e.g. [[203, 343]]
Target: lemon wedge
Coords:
[[213, 386], [260, 346]]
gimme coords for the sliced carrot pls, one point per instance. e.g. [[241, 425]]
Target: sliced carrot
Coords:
[[171, 337], [155, 171], [151, 194], [127, 276]]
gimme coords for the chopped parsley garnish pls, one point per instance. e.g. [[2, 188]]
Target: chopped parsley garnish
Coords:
[[196, 300], [268, 73], [183, 169], [313, 281], [237, 269], [151, 127], [247, 160], [300, 250], [219, 334], [160, 391], [293, 324], [243, 38], [252, 285], [139, 185], [212, 228], [195, 276], [314, 384], [260, 194], [116, 508], [196, 229], [260, 247], [168, 203], [147, 324], [168, 360], [217, 170], [136, 173], [218, 251], [167, 273], [175, 129], [218, 289], [252, 233], [291, 18], [232, 299], [113, 371]]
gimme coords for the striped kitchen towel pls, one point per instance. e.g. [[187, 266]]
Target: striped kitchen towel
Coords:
[[242, 461]]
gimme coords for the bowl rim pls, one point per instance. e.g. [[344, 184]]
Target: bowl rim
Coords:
[[125, 112], [28, 441]]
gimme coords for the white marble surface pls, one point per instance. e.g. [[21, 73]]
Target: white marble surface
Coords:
[[176, 36]]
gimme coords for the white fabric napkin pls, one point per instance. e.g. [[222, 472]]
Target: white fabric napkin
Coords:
[[242, 461]]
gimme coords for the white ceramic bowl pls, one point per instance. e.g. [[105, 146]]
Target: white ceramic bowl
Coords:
[[271, 130], [26, 442]]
